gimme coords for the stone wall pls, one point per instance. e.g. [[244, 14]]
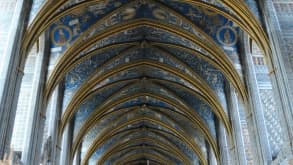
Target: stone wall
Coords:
[[284, 10]]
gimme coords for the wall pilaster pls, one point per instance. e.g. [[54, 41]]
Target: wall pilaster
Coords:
[[32, 153], [77, 158], [56, 108], [257, 119], [66, 144], [225, 145], [232, 99], [279, 71], [14, 74]]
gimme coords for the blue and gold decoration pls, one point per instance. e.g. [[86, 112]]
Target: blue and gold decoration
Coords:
[[227, 36], [76, 30], [61, 35]]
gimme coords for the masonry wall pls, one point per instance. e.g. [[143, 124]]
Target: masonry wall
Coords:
[[284, 10]]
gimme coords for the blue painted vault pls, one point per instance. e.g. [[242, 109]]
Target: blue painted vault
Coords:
[[144, 78]]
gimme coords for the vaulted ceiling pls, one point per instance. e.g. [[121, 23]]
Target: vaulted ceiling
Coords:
[[145, 79]]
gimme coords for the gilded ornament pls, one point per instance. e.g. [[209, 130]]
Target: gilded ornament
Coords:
[[61, 35], [227, 36]]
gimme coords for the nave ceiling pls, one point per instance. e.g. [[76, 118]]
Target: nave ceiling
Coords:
[[145, 79]]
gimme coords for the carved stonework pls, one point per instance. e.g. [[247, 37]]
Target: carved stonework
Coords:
[[285, 158], [47, 150], [13, 158]]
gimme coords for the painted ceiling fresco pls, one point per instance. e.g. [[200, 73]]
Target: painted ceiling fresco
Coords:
[[144, 79]]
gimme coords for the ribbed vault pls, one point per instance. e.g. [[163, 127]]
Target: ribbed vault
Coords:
[[144, 79]]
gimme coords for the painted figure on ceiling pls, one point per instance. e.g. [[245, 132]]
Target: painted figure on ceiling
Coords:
[[227, 37], [62, 37]]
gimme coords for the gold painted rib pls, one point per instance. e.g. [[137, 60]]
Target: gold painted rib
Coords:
[[242, 20], [125, 133], [183, 136], [153, 80], [89, 85], [201, 4], [158, 150], [145, 155], [74, 51], [138, 161], [216, 108], [170, 148], [198, 120], [95, 118], [158, 110]]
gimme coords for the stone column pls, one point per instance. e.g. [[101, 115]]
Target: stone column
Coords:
[[232, 99], [34, 137], [56, 108], [13, 75], [223, 144], [67, 144], [77, 157], [223, 139], [256, 120], [211, 156], [279, 64]]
